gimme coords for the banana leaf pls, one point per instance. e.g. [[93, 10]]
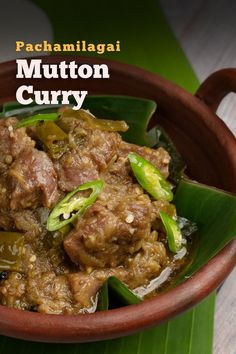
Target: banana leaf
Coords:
[[135, 111], [214, 212], [190, 333], [159, 138], [15, 109], [103, 298], [144, 33], [187, 227], [120, 291]]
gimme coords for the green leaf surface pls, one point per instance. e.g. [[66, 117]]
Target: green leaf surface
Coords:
[[159, 138], [126, 296], [15, 109], [119, 290], [214, 212], [190, 333], [103, 297], [187, 227], [135, 111], [146, 38]]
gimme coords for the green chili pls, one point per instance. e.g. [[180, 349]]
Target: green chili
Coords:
[[73, 205], [150, 178], [11, 244], [174, 235], [34, 120], [53, 138], [94, 123]]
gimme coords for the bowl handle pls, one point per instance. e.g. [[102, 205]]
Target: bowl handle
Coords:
[[216, 87]]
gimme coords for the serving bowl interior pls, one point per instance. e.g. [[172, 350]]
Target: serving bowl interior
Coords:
[[209, 150]]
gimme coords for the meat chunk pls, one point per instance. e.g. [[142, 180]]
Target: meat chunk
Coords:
[[160, 158], [146, 264], [73, 169], [136, 271], [27, 222], [6, 220], [51, 294], [91, 150], [12, 292], [103, 147], [85, 286], [33, 180], [4, 192], [13, 141], [12, 144], [112, 229]]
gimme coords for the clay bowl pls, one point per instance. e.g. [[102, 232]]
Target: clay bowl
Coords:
[[209, 150]]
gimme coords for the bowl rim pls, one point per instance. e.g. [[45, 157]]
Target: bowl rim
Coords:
[[127, 320]]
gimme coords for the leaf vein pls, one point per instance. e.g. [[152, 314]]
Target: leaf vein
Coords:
[[191, 331]]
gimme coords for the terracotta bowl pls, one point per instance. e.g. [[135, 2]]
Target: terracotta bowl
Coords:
[[209, 150]]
